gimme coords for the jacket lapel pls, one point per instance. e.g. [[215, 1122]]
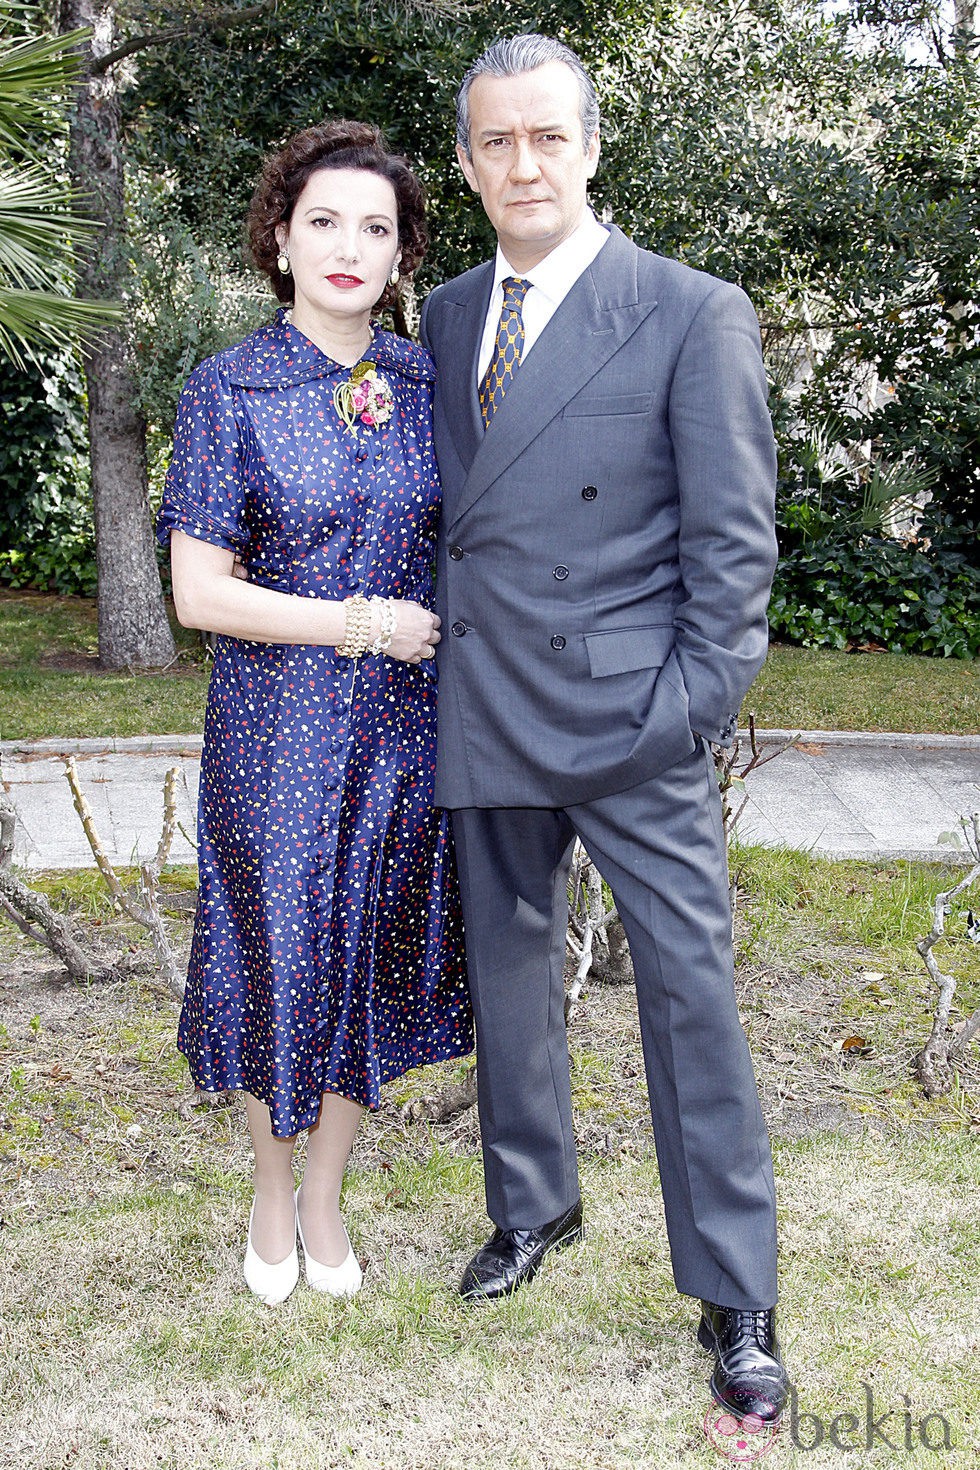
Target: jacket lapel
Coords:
[[599, 314], [467, 300]]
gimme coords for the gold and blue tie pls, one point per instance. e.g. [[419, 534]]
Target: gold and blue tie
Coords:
[[507, 349]]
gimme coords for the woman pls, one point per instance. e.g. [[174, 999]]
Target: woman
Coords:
[[327, 953]]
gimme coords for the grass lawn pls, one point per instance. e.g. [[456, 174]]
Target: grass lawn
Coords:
[[822, 689], [129, 1341], [50, 684]]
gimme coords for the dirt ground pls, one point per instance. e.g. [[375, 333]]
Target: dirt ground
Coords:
[[91, 1075]]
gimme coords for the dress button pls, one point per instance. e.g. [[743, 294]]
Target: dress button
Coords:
[[560, 573], [589, 493], [458, 629], [558, 643], [456, 552]]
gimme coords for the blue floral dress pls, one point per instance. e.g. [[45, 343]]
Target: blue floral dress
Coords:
[[327, 953]]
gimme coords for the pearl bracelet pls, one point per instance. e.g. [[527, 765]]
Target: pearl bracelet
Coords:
[[387, 630], [357, 627]]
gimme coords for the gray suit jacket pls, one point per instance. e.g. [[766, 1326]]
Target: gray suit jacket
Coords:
[[607, 546]]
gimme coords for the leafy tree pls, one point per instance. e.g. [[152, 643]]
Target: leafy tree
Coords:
[[133, 627], [799, 152], [806, 153]]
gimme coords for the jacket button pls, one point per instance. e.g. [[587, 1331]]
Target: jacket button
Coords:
[[560, 573], [456, 552], [458, 629], [558, 643], [589, 493]]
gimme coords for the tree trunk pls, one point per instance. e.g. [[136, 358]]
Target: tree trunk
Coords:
[[966, 27], [133, 627]]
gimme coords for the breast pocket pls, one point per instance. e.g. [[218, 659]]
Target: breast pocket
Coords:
[[624, 650], [609, 406]]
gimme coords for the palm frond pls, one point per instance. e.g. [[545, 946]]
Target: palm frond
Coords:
[[44, 319], [32, 74], [36, 225], [894, 492]]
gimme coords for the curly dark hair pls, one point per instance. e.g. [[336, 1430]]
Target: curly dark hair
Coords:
[[339, 144]]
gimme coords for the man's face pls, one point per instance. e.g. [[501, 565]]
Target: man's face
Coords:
[[527, 160]]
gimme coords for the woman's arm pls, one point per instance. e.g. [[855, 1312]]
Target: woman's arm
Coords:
[[208, 595]]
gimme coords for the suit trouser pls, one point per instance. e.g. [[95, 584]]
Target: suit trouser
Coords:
[[661, 848]]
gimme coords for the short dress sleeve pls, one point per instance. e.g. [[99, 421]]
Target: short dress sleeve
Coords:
[[204, 494]]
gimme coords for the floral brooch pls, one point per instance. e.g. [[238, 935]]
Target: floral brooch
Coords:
[[365, 397]]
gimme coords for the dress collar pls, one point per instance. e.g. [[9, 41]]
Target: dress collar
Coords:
[[280, 356]]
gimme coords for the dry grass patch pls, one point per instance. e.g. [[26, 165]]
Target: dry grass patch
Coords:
[[136, 1345], [128, 1339]]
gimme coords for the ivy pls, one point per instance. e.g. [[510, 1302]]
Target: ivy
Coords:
[[839, 592]]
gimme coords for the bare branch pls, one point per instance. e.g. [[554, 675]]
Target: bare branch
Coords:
[[15, 917], [149, 891], [215, 22], [8, 823], [34, 916], [102, 862], [610, 917], [444, 1105], [731, 776], [967, 1034], [932, 1065], [169, 821], [147, 913], [574, 990]]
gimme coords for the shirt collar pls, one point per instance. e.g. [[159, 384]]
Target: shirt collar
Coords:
[[557, 273]]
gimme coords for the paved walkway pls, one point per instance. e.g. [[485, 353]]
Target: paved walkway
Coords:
[[842, 795]]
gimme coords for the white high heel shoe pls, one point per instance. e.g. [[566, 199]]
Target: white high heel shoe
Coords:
[[271, 1284], [342, 1280]]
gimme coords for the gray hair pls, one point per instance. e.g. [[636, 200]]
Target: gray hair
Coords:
[[511, 57]]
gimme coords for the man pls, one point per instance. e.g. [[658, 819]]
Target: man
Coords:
[[604, 569]]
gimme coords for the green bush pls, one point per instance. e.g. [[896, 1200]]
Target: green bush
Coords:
[[842, 590], [47, 538]]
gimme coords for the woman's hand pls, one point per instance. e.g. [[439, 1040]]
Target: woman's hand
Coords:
[[416, 633]]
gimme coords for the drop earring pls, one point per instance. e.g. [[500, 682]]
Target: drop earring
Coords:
[[394, 278], [283, 263]]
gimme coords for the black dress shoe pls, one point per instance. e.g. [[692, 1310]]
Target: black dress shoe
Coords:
[[511, 1257], [749, 1377]]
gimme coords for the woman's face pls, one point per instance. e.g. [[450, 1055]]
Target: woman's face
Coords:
[[342, 242]]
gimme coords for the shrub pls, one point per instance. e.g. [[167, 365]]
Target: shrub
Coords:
[[842, 590], [47, 537]]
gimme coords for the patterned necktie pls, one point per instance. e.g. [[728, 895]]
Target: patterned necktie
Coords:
[[507, 349]]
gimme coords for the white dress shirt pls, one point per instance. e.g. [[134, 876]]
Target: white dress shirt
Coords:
[[551, 280]]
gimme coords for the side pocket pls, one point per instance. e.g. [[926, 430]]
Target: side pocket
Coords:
[[623, 650]]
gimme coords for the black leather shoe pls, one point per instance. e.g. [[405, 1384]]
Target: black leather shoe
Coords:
[[512, 1257], [749, 1377]]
